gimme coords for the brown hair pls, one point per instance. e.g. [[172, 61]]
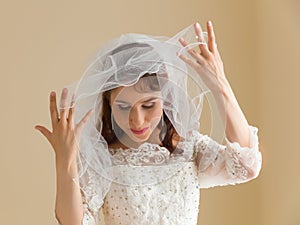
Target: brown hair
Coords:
[[149, 84]]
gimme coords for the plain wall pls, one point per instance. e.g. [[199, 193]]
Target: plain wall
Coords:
[[278, 64], [47, 44]]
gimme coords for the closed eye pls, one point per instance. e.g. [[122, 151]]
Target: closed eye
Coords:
[[124, 107], [148, 105]]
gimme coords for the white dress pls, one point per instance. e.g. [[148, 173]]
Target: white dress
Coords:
[[175, 200]]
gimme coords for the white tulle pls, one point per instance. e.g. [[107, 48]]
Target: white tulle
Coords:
[[174, 200]]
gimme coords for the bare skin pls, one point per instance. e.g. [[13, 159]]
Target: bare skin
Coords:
[[132, 111], [208, 63], [69, 208]]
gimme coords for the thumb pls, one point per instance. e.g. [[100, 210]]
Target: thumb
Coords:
[[44, 131]]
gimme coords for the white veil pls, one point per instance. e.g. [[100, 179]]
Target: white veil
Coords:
[[122, 62]]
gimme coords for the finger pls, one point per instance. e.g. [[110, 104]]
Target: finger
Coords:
[[189, 61], [71, 112], [182, 42], [200, 37], [63, 104], [199, 58], [212, 45], [199, 33], [70, 117], [83, 121], [53, 109], [185, 44], [73, 100], [44, 131]]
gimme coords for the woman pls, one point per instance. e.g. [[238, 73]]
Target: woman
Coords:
[[141, 157]]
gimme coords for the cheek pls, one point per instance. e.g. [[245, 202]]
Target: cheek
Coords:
[[120, 117], [154, 115]]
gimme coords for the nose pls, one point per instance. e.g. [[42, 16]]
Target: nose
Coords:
[[136, 118]]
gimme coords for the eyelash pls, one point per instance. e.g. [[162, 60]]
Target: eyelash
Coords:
[[149, 106], [124, 108], [144, 106]]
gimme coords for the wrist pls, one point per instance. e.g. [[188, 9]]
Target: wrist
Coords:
[[223, 90], [66, 167]]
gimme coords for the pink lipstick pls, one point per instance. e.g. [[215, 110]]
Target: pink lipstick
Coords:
[[139, 132]]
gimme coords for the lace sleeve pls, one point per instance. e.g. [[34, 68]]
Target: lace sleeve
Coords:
[[91, 197], [220, 165]]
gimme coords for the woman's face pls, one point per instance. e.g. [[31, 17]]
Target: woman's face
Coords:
[[136, 113]]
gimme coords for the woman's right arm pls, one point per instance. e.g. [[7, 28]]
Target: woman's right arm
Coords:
[[63, 139], [68, 206]]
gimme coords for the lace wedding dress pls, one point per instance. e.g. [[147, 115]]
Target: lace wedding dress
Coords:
[[174, 198]]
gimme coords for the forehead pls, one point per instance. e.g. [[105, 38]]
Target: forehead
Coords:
[[131, 95]]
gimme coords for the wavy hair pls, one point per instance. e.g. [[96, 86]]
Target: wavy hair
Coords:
[[149, 84]]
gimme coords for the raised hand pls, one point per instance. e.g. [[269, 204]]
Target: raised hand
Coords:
[[207, 62], [65, 134]]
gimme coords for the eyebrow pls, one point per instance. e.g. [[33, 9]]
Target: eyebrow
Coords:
[[148, 100]]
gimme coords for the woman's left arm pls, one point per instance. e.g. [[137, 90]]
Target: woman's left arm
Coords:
[[239, 160], [209, 65]]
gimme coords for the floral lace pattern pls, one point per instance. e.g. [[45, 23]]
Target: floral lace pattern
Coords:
[[146, 154], [174, 200], [220, 165], [152, 154]]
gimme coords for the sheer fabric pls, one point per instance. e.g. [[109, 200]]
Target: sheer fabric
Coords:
[[149, 183], [174, 200], [126, 62]]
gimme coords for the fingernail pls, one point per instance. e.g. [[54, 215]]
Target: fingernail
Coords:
[[197, 25], [209, 23], [52, 93]]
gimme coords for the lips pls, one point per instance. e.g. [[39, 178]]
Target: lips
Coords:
[[139, 132]]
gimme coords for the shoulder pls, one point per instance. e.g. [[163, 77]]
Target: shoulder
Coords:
[[192, 137]]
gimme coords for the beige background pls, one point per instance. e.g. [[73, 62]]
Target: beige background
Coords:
[[46, 44]]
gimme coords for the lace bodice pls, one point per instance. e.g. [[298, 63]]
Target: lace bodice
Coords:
[[172, 194]]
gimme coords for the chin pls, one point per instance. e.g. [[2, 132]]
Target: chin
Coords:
[[140, 138]]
